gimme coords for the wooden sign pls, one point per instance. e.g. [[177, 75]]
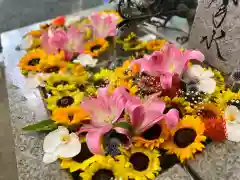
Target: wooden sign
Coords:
[[216, 32]]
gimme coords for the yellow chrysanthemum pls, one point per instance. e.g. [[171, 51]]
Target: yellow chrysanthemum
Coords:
[[90, 90], [128, 84], [187, 138], [78, 70], [96, 47], [70, 115], [125, 39], [64, 100], [134, 45], [32, 60], [139, 163], [54, 63], [105, 168], [153, 137], [155, 45], [178, 103], [227, 98]]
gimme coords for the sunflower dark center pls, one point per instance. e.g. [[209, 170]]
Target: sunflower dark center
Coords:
[[65, 101], [60, 83], [101, 83], [70, 117], [34, 62], [152, 133], [139, 161], [234, 102], [96, 47], [103, 174], [52, 69], [84, 154], [184, 137], [81, 87]]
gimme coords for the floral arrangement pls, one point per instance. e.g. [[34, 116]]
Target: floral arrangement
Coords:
[[118, 123]]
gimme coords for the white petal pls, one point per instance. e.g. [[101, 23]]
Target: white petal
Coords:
[[231, 112], [86, 60], [71, 148], [207, 85], [233, 131], [53, 139], [49, 158], [26, 42], [193, 73], [207, 74]]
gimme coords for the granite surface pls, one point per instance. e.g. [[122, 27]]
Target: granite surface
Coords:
[[175, 173], [224, 20], [220, 161]]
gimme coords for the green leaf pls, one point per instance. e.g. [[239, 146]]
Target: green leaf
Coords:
[[45, 125], [124, 125]]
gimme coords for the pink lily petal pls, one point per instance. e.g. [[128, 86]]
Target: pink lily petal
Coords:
[[166, 80], [93, 139], [172, 118], [45, 44], [126, 133]]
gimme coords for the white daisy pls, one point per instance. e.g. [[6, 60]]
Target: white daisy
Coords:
[[86, 60]]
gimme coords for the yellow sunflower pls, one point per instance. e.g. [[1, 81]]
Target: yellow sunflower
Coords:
[[187, 138], [228, 98], [128, 84], [63, 100], [105, 74], [64, 82], [105, 168], [178, 103], [153, 137], [32, 60], [139, 163], [155, 45], [70, 115], [96, 47], [54, 63]]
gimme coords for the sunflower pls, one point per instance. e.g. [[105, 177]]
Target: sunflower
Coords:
[[63, 100], [104, 74], [54, 63], [139, 163], [105, 168], [70, 115], [155, 45], [153, 137], [179, 103], [82, 160], [187, 138], [32, 60], [127, 84], [96, 47], [78, 70], [64, 82], [228, 98]]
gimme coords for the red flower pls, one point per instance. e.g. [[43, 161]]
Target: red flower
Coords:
[[215, 129], [59, 21]]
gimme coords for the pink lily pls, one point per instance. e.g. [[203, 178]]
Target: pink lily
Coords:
[[144, 115], [104, 110], [167, 63], [103, 25], [71, 41]]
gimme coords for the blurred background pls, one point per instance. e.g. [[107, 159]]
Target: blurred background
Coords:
[[19, 13]]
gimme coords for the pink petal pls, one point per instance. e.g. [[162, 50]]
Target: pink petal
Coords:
[[58, 39], [45, 44], [136, 113], [93, 139], [153, 103], [166, 80], [172, 118], [151, 118], [126, 133], [192, 54]]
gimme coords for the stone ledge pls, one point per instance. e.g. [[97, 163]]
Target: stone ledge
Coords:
[[174, 173], [219, 161]]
